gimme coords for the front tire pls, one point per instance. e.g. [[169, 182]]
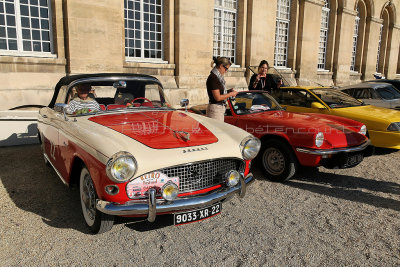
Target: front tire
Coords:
[[97, 221], [278, 160]]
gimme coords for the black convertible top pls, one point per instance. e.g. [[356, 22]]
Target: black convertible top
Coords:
[[66, 80]]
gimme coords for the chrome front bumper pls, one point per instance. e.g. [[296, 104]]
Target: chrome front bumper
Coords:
[[322, 152], [154, 206]]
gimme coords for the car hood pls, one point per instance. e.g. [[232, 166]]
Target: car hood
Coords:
[[301, 128], [376, 118], [158, 129]]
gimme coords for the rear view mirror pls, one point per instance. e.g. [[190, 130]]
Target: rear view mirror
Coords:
[[317, 105], [119, 84], [184, 103]]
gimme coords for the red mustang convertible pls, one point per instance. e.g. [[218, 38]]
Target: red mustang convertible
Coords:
[[290, 140]]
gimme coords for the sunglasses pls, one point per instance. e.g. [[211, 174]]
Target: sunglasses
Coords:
[[225, 67]]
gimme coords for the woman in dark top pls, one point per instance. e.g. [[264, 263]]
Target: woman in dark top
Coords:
[[262, 81], [216, 89]]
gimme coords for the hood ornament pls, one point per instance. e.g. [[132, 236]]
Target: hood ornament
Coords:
[[185, 136]]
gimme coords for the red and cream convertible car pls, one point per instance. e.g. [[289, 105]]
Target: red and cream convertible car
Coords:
[[291, 139], [138, 157]]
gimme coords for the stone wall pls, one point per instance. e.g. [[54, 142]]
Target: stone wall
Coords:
[[88, 37]]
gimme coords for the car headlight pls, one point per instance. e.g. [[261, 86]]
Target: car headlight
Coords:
[[121, 167], [395, 126], [250, 147], [319, 139], [363, 130]]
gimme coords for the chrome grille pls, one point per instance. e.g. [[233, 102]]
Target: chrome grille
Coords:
[[200, 175]]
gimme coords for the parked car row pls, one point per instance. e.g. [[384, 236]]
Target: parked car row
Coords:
[[135, 156]]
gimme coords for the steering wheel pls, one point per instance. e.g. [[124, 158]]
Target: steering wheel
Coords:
[[142, 98]]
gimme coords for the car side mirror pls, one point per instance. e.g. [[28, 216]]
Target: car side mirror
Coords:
[[317, 105], [185, 103], [61, 107]]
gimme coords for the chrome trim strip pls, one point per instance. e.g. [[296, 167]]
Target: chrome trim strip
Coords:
[[323, 152], [59, 174], [152, 205], [143, 208]]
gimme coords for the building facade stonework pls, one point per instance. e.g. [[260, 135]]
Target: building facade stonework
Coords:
[[309, 42]]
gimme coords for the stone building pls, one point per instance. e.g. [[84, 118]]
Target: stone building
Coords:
[[308, 41]]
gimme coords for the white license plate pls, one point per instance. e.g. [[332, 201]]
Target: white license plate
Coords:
[[197, 215]]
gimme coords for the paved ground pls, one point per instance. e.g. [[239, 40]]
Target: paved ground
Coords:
[[329, 218]]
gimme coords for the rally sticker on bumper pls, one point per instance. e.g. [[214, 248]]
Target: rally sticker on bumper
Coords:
[[139, 187]]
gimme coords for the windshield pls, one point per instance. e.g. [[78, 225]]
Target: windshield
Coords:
[[335, 98], [254, 102], [104, 96], [388, 92]]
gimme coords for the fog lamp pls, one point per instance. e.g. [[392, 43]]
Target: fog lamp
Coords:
[[232, 178], [170, 191]]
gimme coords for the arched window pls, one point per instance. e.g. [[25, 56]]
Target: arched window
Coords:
[[225, 29], [355, 38], [143, 29], [282, 33], [323, 37], [25, 27]]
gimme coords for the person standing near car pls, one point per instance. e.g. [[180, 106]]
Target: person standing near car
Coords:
[[216, 89], [262, 81]]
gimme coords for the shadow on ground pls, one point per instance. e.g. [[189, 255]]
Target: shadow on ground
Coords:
[[352, 188], [35, 187]]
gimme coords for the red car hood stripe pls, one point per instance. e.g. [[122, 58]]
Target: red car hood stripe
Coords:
[[159, 129]]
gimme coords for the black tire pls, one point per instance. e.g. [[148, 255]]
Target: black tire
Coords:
[[278, 160], [97, 221]]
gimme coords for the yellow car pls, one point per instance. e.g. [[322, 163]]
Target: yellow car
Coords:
[[383, 124]]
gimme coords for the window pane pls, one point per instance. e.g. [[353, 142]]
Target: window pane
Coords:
[[26, 34], [24, 10], [25, 23], [3, 44], [34, 11], [45, 36], [34, 2], [43, 13], [2, 32], [12, 32], [12, 45], [10, 8], [10, 20], [44, 24], [2, 20], [35, 24], [36, 35], [37, 46], [43, 3]]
